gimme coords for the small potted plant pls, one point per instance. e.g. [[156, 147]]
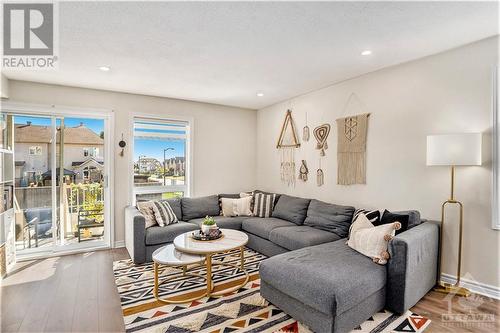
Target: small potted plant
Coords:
[[208, 225]]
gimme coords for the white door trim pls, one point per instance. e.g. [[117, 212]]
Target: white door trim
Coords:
[[68, 111]]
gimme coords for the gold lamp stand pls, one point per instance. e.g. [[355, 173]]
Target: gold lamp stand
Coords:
[[444, 287]]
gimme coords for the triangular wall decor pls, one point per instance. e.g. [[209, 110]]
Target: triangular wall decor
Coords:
[[288, 135]]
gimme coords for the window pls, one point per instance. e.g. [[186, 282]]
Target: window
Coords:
[[90, 152], [35, 150], [160, 160]]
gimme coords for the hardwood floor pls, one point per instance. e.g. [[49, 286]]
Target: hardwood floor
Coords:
[[74, 293], [77, 293]]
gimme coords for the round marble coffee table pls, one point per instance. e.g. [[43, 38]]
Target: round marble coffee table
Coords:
[[169, 256], [230, 241]]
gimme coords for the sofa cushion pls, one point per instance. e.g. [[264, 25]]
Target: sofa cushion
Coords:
[[160, 235], [193, 208], [292, 209], [329, 217], [297, 237], [331, 278], [223, 222], [262, 227], [175, 204]]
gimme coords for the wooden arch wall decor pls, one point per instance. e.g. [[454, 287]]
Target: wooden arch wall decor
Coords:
[[288, 125]]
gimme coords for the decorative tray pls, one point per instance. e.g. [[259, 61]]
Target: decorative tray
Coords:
[[200, 236]]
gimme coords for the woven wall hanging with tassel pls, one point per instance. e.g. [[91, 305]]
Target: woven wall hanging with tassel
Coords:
[[320, 177], [306, 132], [351, 149], [287, 143]]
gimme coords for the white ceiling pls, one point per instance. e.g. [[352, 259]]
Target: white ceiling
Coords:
[[225, 53]]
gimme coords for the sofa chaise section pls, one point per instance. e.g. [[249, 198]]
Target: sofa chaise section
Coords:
[[333, 288], [331, 282]]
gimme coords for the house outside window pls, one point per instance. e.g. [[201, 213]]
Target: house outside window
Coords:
[[35, 150], [160, 159], [90, 152]]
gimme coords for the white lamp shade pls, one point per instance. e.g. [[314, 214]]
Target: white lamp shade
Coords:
[[454, 149]]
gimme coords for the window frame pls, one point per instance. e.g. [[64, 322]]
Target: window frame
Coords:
[[187, 188]]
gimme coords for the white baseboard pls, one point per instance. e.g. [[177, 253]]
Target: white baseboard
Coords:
[[120, 243], [474, 286]]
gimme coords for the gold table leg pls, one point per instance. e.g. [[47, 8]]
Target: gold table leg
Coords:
[[184, 273], [240, 266], [242, 254], [155, 290], [209, 274]]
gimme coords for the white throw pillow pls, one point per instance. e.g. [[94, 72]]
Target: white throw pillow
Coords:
[[236, 207], [370, 240], [146, 208]]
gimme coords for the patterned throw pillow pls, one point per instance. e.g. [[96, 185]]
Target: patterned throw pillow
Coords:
[[146, 208], [263, 204], [164, 214], [372, 215], [372, 240]]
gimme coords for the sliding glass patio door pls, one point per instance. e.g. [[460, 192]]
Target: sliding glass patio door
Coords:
[[61, 183]]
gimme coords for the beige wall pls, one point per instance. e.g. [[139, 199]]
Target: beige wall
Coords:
[[224, 137], [445, 93]]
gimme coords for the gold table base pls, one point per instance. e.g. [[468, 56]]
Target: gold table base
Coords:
[[209, 263]]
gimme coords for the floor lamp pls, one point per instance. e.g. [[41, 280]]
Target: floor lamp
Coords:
[[453, 150]]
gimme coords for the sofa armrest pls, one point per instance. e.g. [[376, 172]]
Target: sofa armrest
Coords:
[[412, 268], [135, 234]]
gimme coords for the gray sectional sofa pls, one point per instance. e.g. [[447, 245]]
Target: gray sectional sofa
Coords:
[[311, 273]]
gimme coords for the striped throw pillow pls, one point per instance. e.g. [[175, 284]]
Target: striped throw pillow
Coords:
[[373, 216], [263, 204], [164, 214]]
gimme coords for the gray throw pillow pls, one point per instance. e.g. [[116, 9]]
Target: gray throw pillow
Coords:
[[292, 209], [193, 208], [329, 217]]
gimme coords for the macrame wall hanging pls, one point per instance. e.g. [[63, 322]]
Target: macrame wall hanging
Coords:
[[303, 171], [287, 142], [351, 149], [321, 134], [305, 132], [320, 177]]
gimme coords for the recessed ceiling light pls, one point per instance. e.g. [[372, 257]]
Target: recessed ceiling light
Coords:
[[104, 68], [260, 94], [366, 52]]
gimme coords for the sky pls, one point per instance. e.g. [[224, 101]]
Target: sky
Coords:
[[96, 125], [154, 148]]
